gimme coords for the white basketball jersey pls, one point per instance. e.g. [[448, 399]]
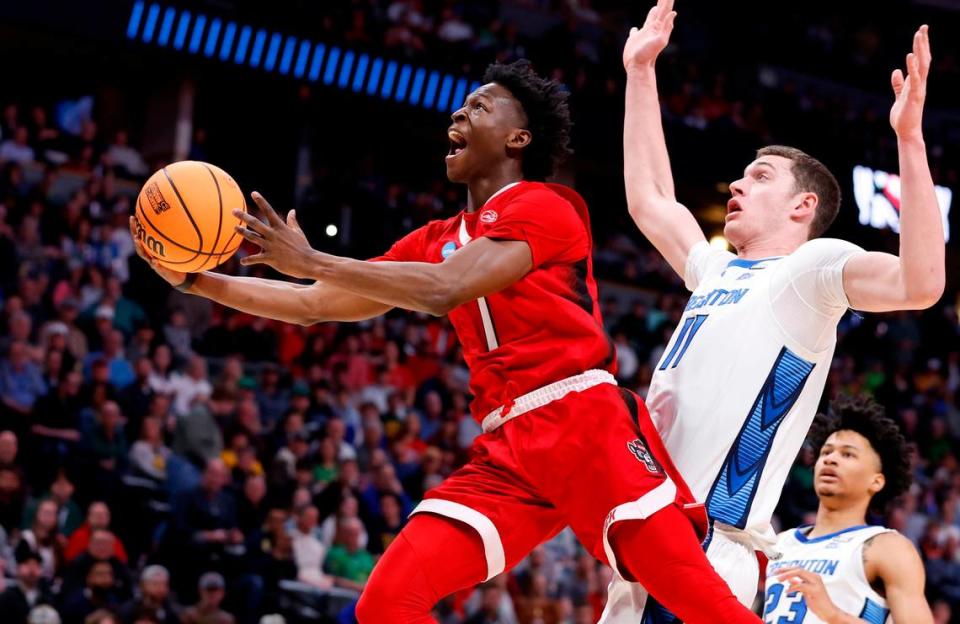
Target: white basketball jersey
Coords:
[[740, 380], [838, 559]]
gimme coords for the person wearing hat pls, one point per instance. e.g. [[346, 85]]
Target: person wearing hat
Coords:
[[127, 313], [102, 319], [55, 336], [300, 391], [207, 610], [28, 590], [153, 599], [67, 312]]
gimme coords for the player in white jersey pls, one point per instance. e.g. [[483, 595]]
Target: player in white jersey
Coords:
[[840, 569], [741, 378]]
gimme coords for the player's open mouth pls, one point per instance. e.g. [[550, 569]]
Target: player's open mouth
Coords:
[[733, 207], [458, 143], [828, 475]]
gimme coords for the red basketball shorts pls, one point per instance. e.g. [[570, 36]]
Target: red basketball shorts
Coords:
[[587, 460]]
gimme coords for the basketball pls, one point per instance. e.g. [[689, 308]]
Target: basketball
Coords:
[[184, 216]]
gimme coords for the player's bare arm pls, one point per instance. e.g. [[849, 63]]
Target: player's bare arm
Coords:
[[282, 301], [480, 268], [651, 199], [891, 559], [879, 282]]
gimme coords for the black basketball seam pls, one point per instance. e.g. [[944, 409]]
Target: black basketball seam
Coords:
[[218, 257], [208, 255], [220, 202], [223, 253], [231, 251], [184, 205], [193, 251], [159, 233]]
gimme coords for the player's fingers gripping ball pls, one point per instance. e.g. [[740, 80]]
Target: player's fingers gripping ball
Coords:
[[184, 219]]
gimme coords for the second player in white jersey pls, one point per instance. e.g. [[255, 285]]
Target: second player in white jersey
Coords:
[[837, 559], [736, 390], [741, 378]]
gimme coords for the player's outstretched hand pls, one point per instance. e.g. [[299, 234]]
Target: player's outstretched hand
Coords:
[[645, 44], [283, 246], [906, 116], [174, 278]]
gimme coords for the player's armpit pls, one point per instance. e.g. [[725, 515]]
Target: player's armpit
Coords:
[[894, 561], [669, 226], [875, 282]]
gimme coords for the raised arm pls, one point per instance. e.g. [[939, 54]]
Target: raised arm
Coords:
[[879, 282], [651, 199], [282, 301]]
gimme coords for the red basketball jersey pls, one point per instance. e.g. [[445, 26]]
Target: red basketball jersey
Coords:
[[544, 327]]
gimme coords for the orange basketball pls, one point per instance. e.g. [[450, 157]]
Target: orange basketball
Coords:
[[184, 216]]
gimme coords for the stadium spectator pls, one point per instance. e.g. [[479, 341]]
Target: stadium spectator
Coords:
[[28, 589], [207, 610], [308, 551], [348, 562], [98, 519], [153, 599]]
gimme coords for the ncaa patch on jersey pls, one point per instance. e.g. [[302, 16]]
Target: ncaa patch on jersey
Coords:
[[489, 216], [639, 450], [448, 249]]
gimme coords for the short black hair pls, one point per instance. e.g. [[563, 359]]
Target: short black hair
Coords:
[[861, 414], [544, 102]]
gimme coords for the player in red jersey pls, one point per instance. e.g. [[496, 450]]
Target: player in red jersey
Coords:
[[562, 444]]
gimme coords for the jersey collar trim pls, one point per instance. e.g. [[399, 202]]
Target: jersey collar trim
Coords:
[[504, 189], [464, 236], [802, 537], [748, 264]]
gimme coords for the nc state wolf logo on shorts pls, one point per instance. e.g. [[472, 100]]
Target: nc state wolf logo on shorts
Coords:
[[639, 450]]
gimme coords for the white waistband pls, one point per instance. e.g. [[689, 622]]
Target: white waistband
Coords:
[[547, 394], [754, 538]]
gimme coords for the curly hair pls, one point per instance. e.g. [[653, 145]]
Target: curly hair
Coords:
[[548, 117], [863, 415]]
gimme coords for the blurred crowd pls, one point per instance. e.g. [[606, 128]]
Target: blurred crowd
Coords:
[[828, 90], [164, 460]]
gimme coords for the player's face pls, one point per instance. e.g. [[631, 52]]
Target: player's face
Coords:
[[762, 201], [484, 131], [847, 468]]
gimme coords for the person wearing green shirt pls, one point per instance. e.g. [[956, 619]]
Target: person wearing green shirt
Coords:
[[347, 561]]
